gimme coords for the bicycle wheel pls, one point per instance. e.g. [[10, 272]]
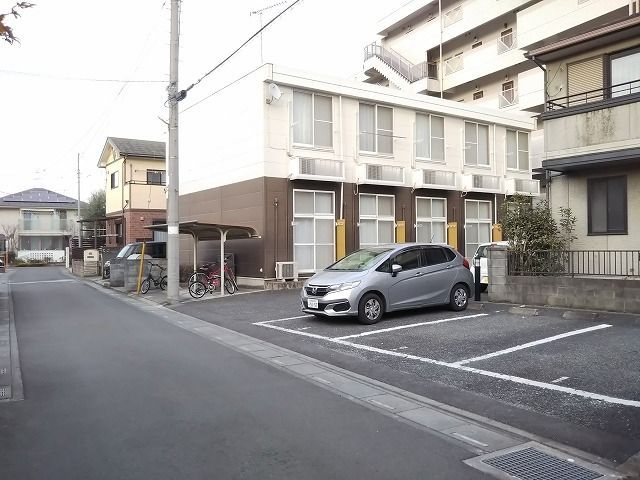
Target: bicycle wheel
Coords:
[[198, 277], [229, 286], [163, 283], [197, 289], [144, 287]]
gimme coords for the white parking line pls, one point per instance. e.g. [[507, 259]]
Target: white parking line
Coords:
[[532, 344], [412, 325], [558, 380], [283, 319], [457, 366]]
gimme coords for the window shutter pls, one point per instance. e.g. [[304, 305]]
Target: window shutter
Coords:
[[584, 76]]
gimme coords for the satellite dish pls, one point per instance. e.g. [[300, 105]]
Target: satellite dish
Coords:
[[274, 93]]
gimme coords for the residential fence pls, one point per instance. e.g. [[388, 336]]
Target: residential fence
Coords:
[[604, 263]]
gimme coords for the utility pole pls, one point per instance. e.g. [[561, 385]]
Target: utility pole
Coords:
[[79, 224], [173, 211]]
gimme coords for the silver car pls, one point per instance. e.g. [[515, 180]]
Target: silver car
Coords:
[[374, 280]]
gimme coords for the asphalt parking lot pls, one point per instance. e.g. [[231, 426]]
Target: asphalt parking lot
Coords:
[[574, 381]]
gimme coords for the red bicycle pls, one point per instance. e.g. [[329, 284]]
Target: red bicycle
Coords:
[[207, 279]]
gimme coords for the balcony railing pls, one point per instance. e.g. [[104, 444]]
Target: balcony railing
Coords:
[[604, 263], [45, 225], [506, 43], [453, 64], [411, 72], [506, 98], [613, 91]]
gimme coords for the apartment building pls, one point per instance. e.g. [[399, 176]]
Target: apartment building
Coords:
[[592, 132], [135, 196], [472, 51], [38, 223], [320, 167]]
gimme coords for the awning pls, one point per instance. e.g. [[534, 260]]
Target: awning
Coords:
[[628, 157], [209, 231]]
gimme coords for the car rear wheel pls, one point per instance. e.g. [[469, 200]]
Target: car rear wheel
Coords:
[[459, 297], [370, 309]]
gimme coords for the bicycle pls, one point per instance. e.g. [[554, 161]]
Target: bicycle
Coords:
[[207, 278], [159, 281]]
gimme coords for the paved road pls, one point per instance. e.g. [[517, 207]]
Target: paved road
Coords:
[[526, 387], [113, 391]]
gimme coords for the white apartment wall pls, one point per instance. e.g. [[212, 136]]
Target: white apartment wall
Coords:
[[551, 17], [222, 138], [345, 142]]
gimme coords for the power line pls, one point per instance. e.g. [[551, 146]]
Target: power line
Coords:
[[241, 46], [79, 79]]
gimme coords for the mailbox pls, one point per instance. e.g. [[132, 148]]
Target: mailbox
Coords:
[[91, 255]]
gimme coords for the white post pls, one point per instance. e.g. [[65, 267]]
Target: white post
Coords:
[[223, 238]]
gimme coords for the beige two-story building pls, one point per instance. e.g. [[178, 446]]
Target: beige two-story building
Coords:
[[592, 133], [135, 189]]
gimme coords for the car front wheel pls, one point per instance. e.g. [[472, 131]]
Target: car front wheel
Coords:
[[459, 298], [370, 309]]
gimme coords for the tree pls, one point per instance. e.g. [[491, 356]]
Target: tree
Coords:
[[10, 234], [6, 32], [538, 241], [96, 207]]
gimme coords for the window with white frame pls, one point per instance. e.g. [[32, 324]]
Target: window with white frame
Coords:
[[376, 128], [476, 144], [477, 227], [517, 150], [313, 229], [312, 120], [429, 137], [377, 219], [115, 179], [431, 220]]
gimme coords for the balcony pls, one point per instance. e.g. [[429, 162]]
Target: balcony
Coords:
[[480, 183], [316, 169], [522, 185], [599, 97], [46, 224], [424, 178], [380, 174]]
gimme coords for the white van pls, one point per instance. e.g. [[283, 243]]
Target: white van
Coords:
[[481, 253]]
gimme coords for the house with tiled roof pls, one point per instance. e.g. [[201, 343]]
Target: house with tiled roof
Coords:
[[135, 189], [38, 223]]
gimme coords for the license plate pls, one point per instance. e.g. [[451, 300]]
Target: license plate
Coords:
[[312, 303]]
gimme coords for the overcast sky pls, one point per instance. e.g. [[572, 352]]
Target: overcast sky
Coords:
[[57, 101]]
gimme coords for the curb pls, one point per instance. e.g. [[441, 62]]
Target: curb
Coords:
[[526, 311]]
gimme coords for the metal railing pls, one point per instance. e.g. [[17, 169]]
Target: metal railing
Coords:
[[621, 89], [603, 263], [411, 72], [45, 224]]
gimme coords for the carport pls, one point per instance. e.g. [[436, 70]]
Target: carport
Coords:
[[210, 231]]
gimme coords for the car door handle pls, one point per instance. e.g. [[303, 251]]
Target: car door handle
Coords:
[[419, 274], [450, 266]]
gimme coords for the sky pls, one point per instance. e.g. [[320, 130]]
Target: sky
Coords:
[[85, 70]]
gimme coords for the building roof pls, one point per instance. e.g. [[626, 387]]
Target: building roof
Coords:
[[134, 148], [138, 148], [615, 32], [37, 197]]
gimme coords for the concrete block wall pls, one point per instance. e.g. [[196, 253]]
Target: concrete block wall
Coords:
[[131, 272], [594, 293]]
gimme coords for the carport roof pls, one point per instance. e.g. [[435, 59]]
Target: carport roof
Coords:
[[209, 231]]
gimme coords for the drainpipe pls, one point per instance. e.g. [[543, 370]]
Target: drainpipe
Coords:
[[441, 72]]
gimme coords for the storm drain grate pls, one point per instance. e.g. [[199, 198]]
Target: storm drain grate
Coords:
[[4, 392], [532, 464]]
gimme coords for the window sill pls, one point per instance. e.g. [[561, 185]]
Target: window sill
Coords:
[[606, 234], [431, 161], [482, 167], [377, 155], [512, 170], [313, 148]]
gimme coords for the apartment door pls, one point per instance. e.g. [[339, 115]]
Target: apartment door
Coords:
[[477, 225], [313, 229]]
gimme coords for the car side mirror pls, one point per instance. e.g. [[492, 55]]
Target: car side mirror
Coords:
[[395, 269]]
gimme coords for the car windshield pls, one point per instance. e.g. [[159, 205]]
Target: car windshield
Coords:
[[124, 251], [481, 252], [359, 260]]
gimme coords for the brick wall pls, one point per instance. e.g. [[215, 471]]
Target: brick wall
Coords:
[[611, 294], [136, 220]]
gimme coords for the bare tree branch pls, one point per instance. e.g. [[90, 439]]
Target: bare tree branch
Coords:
[[6, 32]]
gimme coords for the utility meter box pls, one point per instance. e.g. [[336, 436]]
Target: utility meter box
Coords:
[[91, 255]]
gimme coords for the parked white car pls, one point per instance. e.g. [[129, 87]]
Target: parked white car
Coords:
[[481, 253]]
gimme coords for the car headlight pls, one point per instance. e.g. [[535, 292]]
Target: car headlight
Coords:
[[343, 286]]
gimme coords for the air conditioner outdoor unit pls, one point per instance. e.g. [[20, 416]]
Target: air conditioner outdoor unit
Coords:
[[286, 271]]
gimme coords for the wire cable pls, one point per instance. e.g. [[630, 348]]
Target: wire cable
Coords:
[[241, 46], [79, 79]]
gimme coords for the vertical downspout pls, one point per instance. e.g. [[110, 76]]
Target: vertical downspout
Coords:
[[343, 162], [441, 72]]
